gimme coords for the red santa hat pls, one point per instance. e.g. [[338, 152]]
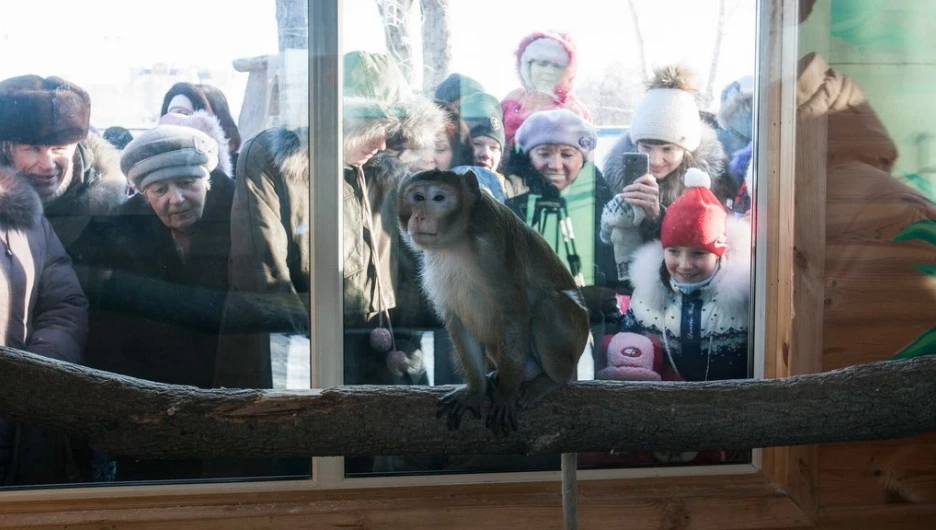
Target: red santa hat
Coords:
[[695, 219]]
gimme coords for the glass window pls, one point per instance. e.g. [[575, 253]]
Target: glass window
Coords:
[[594, 127], [129, 127]]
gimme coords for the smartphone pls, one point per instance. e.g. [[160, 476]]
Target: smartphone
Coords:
[[636, 165]]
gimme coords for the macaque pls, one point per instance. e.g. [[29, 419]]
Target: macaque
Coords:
[[502, 292]]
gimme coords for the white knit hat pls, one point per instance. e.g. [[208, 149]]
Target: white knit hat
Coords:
[[668, 111]]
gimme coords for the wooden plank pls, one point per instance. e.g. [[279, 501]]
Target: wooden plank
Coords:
[[849, 343], [879, 473], [534, 506]]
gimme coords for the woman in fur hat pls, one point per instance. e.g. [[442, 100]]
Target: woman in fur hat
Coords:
[[546, 64], [667, 127], [692, 287], [167, 250], [158, 314]]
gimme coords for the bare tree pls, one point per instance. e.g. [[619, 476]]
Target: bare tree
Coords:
[[396, 19], [640, 41], [613, 96], [436, 45], [716, 55], [292, 20]]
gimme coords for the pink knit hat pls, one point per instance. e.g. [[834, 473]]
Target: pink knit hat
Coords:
[[630, 358]]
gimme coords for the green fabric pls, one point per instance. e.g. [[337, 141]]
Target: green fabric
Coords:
[[376, 83], [580, 199]]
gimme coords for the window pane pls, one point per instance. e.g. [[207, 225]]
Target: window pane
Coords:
[[129, 127], [551, 112]]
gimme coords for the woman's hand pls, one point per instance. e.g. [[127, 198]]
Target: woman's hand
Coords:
[[645, 193]]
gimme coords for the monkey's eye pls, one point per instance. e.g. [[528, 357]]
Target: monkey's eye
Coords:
[[419, 197], [438, 197]]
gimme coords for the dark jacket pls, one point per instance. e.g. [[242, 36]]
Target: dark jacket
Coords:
[[45, 312], [157, 317], [269, 267]]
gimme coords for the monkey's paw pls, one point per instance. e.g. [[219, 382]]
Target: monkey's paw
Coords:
[[502, 418], [454, 404]]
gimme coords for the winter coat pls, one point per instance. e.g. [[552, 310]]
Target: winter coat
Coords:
[[876, 301], [523, 101], [717, 313], [269, 267], [584, 197], [709, 157], [45, 312], [99, 188], [157, 317]]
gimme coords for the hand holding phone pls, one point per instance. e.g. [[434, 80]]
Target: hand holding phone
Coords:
[[642, 190]]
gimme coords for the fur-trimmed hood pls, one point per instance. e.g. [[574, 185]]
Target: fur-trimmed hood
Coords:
[[378, 100], [565, 85], [289, 153], [417, 121], [20, 207], [730, 291], [709, 157], [98, 188]]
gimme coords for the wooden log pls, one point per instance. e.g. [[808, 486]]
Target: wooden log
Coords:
[[883, 400]]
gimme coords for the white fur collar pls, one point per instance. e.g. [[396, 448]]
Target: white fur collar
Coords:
[[20, 207], [732, 283]]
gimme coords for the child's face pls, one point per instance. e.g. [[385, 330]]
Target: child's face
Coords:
[[688, 264]]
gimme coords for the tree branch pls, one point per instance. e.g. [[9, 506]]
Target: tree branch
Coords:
[[120, 414]]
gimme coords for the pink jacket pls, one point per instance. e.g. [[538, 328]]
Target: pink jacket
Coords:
[[524, 101]]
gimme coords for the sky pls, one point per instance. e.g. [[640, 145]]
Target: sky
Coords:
[[99, 42]]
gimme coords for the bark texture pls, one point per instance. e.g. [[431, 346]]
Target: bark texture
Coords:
[[883, 400]]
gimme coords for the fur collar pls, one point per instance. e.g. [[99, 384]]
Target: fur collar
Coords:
[[417, 120], [731, 288], [20, 207], [710, 157], [105, 186], [289, 150]]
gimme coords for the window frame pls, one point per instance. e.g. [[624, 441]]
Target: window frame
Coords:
[[777, 490]]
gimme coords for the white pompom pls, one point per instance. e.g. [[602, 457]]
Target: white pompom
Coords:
[[696, 178]]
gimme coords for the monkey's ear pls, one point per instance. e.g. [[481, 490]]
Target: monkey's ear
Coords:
[[471, 181]]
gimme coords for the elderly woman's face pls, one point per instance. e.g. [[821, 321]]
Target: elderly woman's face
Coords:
[[560, 164], [179, 203]]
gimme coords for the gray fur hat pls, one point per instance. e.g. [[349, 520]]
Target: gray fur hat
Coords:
[[168, 151]]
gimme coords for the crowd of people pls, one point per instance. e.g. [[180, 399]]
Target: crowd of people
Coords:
[[174, 254]]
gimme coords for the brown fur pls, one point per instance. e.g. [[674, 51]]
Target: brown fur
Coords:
[[672, 77], [502, 292]]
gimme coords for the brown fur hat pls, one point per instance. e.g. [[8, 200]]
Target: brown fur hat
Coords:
[[43, 111]]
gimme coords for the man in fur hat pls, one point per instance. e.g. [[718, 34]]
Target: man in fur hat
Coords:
[[44, 125]]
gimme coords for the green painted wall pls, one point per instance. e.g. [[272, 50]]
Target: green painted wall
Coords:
[[889, 48]]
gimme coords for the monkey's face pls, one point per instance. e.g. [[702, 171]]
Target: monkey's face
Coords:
[[427, 211]]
